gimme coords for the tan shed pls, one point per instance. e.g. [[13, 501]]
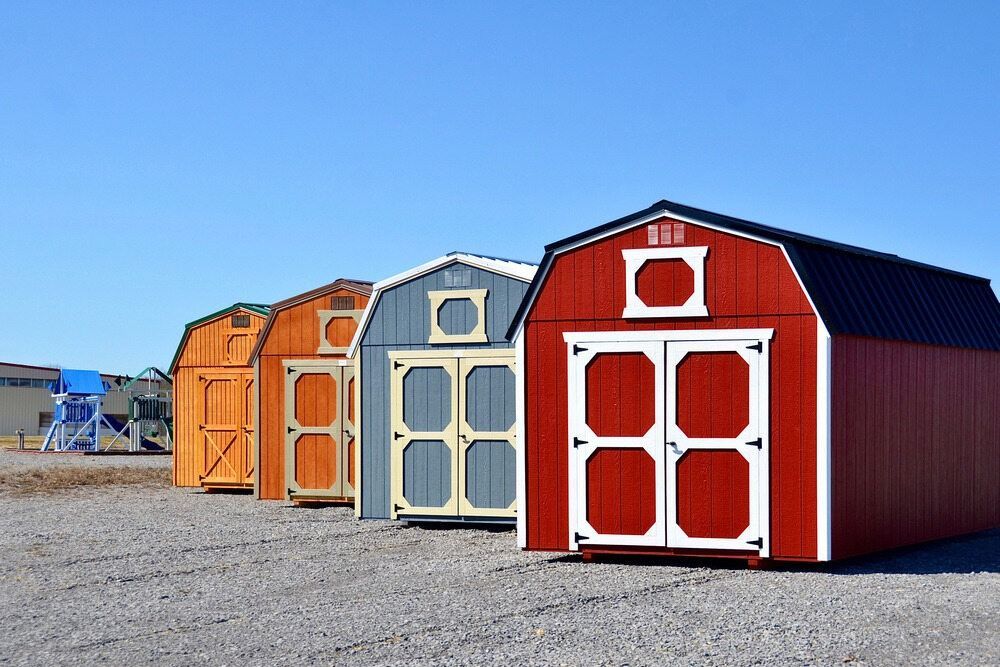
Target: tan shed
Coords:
[[213, 399], [305, 395]]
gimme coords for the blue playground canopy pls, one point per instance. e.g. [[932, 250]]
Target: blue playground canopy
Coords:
[[79, 383]]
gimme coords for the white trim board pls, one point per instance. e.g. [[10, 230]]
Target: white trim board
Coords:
[[690, 334], [520, 470]]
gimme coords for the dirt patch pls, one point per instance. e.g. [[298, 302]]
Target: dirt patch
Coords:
[[53, 480]]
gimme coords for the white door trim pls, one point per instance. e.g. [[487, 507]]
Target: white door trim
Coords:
[[678, 443], [690, 334], [664, 347], [580, 452]]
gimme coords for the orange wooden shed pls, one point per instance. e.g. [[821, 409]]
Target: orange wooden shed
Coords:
[[305, 395], [213, 399]]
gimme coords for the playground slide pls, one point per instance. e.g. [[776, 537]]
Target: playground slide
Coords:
[[119, 425]]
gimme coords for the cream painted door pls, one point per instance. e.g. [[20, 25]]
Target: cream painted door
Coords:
[[453, 437], [486, 444], [319, 429], [424, 431]]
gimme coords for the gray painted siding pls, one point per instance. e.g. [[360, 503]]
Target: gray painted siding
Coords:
[[457, 316], [490, 398], [489, 472], [427, 399], [427, 473], [401, 321]]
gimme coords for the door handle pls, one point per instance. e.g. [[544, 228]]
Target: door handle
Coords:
[[464, 438], [673, 446]]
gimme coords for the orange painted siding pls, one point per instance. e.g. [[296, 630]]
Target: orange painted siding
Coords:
[[210, 348], [293, 334]]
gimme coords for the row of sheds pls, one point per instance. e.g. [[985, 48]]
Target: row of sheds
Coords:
[[673, 382]]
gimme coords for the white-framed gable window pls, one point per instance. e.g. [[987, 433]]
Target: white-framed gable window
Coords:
[[692, 256]]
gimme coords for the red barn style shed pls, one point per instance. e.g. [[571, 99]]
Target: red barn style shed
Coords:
[[697, 384]]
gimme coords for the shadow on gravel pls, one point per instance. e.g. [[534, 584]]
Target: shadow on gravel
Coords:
[[979, 552], [461, 525]]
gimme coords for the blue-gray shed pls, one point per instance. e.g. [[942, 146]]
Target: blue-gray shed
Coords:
[[436, 391]]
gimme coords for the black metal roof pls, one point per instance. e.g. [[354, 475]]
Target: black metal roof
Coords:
[[856, 290]]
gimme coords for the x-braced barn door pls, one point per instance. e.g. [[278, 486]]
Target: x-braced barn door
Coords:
[[717, 445], [616, 443], [319, 429], [424, 429], [225, 421], [668, 443]]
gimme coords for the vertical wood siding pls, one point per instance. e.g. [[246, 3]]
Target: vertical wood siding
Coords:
[[916, 443], [401, 321], [747, 285], [208, 348], [294, 334]]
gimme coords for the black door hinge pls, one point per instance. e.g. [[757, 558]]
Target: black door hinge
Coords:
[[292, 429], [759, 542], [577, 537], [396, 365], [577, 442], [291, 493], [757, 346], [758, 443], [396, 435], [290, 370], [398, 508], [577, 349]]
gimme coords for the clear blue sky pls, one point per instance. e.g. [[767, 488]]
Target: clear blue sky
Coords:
[[160, 161]]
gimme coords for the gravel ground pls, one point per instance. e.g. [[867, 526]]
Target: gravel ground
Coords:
[[177, 577]]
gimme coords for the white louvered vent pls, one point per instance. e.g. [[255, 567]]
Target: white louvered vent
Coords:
[[457, 277], [665, 233]]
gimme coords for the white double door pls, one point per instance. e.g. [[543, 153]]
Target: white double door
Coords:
[[668, 441]]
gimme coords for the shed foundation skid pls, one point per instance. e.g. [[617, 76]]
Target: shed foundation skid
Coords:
[[306, 396], [436, 387], [213, 400], [698, 385]]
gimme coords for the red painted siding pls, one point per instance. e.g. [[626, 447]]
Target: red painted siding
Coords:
[[748, 285], [915, 443]]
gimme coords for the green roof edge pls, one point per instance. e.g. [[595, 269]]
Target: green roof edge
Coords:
[[258, 308]]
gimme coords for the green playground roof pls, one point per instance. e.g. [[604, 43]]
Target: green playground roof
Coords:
[[149, 370]]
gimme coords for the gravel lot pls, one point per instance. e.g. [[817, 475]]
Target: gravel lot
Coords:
[[175, 577]]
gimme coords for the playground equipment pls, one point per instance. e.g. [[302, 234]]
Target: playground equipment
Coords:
[[77, 420], [150, 412]]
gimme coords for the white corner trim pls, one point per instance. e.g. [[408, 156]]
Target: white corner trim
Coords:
[[824, 437], [636, 258], [521, 495]]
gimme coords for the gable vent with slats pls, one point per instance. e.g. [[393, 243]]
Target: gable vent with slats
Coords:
[[457, 277], [342, 303]]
